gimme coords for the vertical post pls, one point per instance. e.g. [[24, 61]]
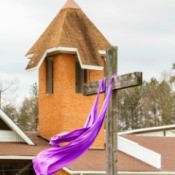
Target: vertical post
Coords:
[[111, 120], [0, 97]]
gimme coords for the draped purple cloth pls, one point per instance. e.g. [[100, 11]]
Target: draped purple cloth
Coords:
[[49, 161]]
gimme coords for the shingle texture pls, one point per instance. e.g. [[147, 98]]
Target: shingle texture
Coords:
[[162, 145], [94, 160], [22, 149], [71, 28]]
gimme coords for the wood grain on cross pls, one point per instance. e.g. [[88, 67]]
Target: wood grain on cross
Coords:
[[120, 82]]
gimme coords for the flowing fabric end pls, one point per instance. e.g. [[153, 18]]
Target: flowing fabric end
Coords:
[[49, 161]]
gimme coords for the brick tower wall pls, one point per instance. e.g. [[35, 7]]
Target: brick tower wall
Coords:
[[64, 110]]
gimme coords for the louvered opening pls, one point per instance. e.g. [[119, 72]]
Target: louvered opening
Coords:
[[81, 77], [49, 70]]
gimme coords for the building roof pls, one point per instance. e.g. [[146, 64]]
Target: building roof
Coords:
[[148, 130], [162, 145], [94, 160], [72, 32], [17, 132], [22, 149]]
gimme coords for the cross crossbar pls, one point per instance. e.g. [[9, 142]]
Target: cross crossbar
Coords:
[[120, 82]]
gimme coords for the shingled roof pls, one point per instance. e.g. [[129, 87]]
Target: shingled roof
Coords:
[[94, 160], [72, 32]]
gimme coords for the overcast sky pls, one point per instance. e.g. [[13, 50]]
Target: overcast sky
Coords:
[[144, 31]]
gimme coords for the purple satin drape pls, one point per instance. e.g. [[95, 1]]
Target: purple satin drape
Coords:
[[49, 161]]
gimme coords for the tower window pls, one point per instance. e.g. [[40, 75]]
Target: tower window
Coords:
[[49, 70], [81, 77]]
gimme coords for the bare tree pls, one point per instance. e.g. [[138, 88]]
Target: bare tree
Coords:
[[6, 88], [28, 112]]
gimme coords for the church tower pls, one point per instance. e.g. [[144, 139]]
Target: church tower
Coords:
[[70, 52]]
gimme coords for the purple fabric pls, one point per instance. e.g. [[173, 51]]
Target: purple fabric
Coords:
[[49, 161]]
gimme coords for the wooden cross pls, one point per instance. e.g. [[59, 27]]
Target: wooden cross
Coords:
[[120, 82]]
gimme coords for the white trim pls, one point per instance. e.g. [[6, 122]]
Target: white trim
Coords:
[[147, 173], [102, 52], [68, 170], [66, 50], [42, 59], [151, 129], [17, 157], [91, 67], [29, 56], [62, 50], [82, 172], [139, 152], [119, 172], [15, 128]]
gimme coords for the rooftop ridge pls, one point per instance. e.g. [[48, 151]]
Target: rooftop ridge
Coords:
[[151, 129], [71, 4]]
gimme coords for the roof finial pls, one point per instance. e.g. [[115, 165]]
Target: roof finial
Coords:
[[70, 4]]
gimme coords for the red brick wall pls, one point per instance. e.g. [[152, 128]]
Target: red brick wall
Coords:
[[64, 110]]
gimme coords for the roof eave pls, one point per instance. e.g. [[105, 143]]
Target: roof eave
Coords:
[[16, 157], [74, 172], [29, 56], [13, 126], [56, 50], [145, 130]]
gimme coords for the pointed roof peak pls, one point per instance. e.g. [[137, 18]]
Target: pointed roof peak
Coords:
[[70, 32], [71, 4]]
